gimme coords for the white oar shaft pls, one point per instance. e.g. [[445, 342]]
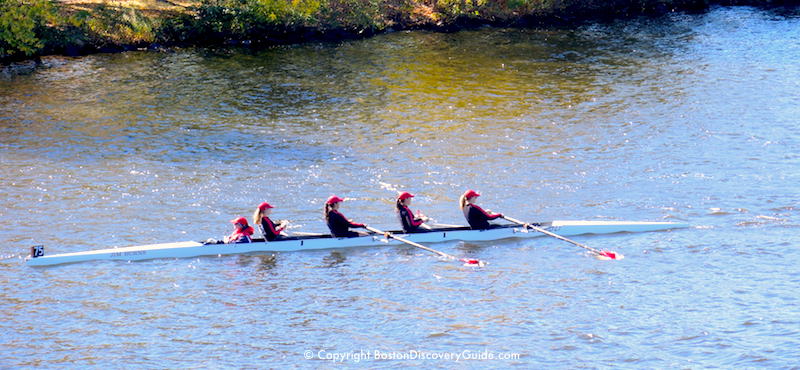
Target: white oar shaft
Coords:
[[543, 231], [390, 235], [436, 224]]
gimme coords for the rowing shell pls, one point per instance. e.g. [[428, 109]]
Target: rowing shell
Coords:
[[196, 249]]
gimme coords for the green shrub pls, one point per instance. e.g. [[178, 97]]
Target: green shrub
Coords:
[[110, 25], [258, 19], [454, 9], [22, 23], [245, 19], [180, 28], [351, 15]]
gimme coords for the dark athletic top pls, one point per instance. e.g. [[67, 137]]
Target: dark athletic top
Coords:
[[410, 223], [478, 218], [269, 230], [340, 225]]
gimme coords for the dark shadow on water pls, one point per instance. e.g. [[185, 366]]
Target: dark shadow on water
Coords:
[[267, 262], [471, 248], [333, 260]]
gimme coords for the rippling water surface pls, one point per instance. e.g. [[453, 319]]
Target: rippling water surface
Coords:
[[689, 117]]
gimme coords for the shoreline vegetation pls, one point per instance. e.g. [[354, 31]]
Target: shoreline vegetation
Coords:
[[30, 29]]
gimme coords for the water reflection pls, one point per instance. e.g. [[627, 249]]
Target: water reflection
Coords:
[[334, 259], [468, 248], [267, 262]]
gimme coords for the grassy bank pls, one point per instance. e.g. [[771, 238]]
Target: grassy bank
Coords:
[[30, 28]]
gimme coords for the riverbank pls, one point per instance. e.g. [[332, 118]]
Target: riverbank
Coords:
[[33, 28]]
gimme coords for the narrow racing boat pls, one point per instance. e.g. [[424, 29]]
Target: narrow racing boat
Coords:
[[309, 242]]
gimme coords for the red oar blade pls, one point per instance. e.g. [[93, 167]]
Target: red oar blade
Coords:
[[610, 255], [473, 262]]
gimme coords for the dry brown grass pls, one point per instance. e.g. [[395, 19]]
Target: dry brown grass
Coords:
[[149, 7]]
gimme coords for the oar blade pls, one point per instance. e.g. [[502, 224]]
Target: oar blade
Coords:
[[473, 262], [609, 255]]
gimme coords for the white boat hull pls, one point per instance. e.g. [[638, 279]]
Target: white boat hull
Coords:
[[195, 249]]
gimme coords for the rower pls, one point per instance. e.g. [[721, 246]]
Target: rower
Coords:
[[268, 228], [337, 223], [411, 223], [241, 231], [477, 217]]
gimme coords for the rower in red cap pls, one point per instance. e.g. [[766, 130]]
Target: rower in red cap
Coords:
[[411, 224], [265, 225], [241, 231], [477, 217], [337, 223]]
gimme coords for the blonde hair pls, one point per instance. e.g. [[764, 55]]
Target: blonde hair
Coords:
[[462, 201], [257, 216], [326, 210]]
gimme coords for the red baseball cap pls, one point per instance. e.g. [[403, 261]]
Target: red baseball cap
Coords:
[[334, 199], [239, 220], [471, 193], [264, 206], [405, 195]]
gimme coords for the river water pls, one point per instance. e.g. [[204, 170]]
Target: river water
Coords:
[[689, 118]]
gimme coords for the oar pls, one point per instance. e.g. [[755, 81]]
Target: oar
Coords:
[[606, 254], [432, 222], [303, 233], [404, 240], [436, 224]]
